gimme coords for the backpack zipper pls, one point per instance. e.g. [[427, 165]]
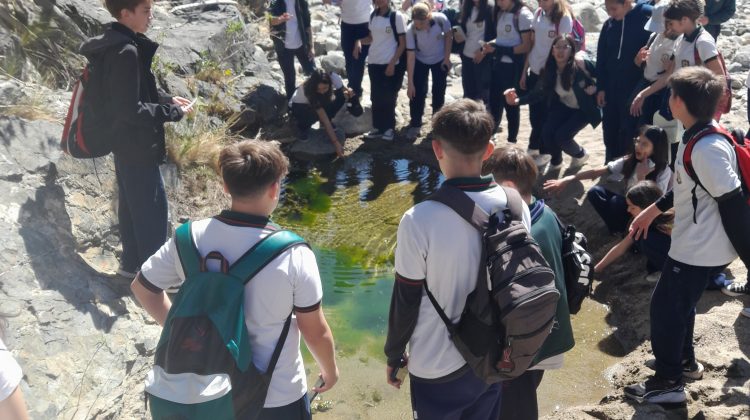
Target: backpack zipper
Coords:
[[531, 296], [515, 278]]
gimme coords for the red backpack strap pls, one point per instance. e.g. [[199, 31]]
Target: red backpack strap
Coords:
[[687, 161]]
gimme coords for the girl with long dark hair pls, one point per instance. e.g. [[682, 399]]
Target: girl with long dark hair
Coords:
[[649, 161], [567, 88], [476, 22]]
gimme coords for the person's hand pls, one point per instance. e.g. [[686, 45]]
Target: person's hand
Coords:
[[511, 97], [411, 92], [446, 66], [339, 153], [554, 186], [636, 108], [389, 370], [640, 224], [522, 81], [330, 379], [590, 90], [286, 17], [703, 20], [478, 56], [598, 268], [348, 93], [642, 56], [357, 49], [600, 99], [390, 70], [184, 104]]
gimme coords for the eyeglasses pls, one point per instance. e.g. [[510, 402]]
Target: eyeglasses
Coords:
[[561, 47]]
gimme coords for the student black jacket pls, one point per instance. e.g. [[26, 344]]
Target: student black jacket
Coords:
[[586, 102], [126, 94], [301, 11]]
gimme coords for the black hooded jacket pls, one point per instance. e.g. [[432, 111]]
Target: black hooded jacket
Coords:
[[124, 93]]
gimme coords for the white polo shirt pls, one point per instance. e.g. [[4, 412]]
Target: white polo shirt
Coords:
[[355, 11], [436, 244], [507, 33], [291, 281], [429, 44], [705, 243], [384, 44], [545, 33], [10, 372], [685, 48], [299, 94], [616, 166], [660, 52], [292, 37], [474, 34]]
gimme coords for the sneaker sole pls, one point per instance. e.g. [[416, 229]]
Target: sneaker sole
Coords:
[[731, 293], [696, 375], [663, 397]]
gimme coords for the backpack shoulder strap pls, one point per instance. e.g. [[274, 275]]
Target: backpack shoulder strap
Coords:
[[651, 40], [262, 253], [687, 159], [186, 250], [392, 18], [462, 204], [515, 203]]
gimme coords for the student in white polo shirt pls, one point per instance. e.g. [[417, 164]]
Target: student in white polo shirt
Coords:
[[292, 37], [252, 172], [551, 19], [435, 245], [386, 65], [428, 46], [355, 15], [513, 41], [476, 22]]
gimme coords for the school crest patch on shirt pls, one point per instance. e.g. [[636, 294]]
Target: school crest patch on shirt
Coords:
[[685, 63], [507, 28], [552, 34], [388, 30]]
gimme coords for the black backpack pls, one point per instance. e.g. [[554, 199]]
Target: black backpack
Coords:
[[512, 309], [577, 266]]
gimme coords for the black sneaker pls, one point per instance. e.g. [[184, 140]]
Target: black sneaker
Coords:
[[736, 288], [692, 370], [354, 107], [304, 135], [657, 390]]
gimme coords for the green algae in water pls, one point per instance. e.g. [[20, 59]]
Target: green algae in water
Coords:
[[305, 199]]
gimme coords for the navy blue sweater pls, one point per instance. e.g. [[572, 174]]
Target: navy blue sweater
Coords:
[[615, 69]]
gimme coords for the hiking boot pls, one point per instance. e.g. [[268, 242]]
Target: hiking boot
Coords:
[[736, 289], [653, 277], [577, 162], [374, 134], [388, 135], [542, 160], [689, 370], [657, 390], [413, 132], [125, 273], [745, 312]]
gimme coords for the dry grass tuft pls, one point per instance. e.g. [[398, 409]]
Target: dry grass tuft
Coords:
[[196, 143]]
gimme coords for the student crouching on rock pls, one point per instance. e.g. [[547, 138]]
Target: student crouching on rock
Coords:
[[137, 111], [567, 86], [292, 37], [512, 167], [428, 47], [386, 65], [319, 99]]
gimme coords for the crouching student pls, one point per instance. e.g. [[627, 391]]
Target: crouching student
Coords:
[[252, 172], [513, 167], [319, 99], [435, 245], [568, 87], [648, 161], [428, 47]]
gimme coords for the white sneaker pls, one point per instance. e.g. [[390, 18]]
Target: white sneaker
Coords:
[[554, 167], [388, 135], [374, 134], [532, 152], [578, 162], [542, 160], [746, 312], [653, 277], [413, 132]]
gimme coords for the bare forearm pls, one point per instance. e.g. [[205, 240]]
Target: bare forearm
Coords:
[[321, 345], [156, 304]]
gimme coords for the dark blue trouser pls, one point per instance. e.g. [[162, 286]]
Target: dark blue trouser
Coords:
[[617, 126], [655, 247], [464, 398], [286, 62], [355, 68], [505, 76], [298, 410], [421, 77], [520, 396], [141, 212], [383, 94], [305, 116], [475, 78], [673, 314], [560, 129], [610, 206], [714, 30], [537, 115]]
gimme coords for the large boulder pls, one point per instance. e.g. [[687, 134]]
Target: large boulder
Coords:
[[591, 16], [334, 62]]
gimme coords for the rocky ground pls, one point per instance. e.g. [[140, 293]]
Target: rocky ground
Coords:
[[85, 345]]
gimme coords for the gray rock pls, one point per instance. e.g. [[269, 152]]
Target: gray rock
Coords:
[[354, 126], [589, 16], [334, 62], [263, 102], [317, 146], [743, 57]]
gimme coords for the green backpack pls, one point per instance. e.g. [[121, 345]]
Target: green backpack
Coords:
[[203, 364]]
